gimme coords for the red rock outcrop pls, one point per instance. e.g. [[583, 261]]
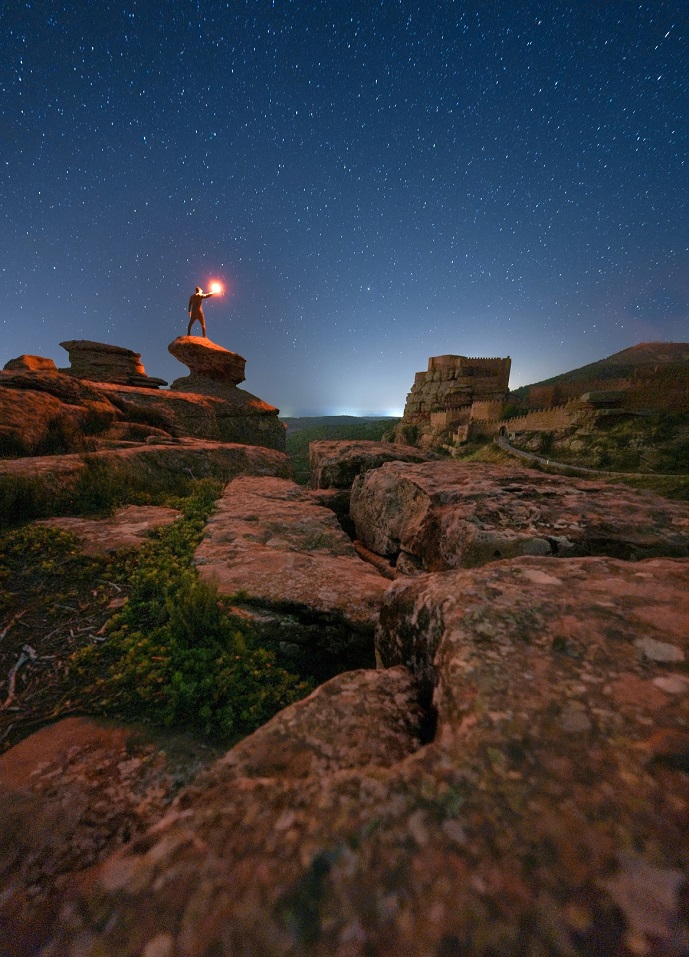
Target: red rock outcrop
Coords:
[[546, 816], [43, 412], [30, 364], [206, 360], [46, 412], [233, 415], [335, 464], [271, 541], [100, 362], [442, 515]]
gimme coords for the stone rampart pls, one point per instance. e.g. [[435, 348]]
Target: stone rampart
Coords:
[[542, 420]]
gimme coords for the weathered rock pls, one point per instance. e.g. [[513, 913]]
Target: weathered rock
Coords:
[[205, 360], [269, 539], [442, 515], [85, 415], [36, 421], [188, 457], [231, 416], [70, 795], [100, 362], [126, 528], [335, 464], [31, 364], [547, 816]]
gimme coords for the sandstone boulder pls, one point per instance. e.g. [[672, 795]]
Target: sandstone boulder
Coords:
[[206, 360], [100, 362], [126, 528], [30, 364], [335, 464], [441, 515], [290, 556], [545, 815]]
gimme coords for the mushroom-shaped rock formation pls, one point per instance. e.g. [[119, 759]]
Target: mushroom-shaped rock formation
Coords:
[[100, 362], [211, 366]]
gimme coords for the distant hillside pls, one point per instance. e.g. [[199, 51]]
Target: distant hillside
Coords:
[[301, 431], [620, 365], [298, 422]]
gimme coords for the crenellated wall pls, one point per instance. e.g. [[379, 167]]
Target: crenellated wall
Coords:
[[545, 420]]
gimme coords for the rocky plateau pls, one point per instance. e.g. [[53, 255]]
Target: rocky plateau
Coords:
[[511, 779]]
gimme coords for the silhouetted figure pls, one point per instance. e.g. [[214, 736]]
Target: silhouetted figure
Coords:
[[195, 310]]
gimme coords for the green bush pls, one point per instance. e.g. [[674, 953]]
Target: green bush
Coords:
[[174, 655]]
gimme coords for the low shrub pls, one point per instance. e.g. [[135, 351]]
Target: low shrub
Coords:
[[174, 655]]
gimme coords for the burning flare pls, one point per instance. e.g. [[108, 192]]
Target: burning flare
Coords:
[[216, 288]]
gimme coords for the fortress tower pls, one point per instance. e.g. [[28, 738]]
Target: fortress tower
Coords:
[[455, 391]]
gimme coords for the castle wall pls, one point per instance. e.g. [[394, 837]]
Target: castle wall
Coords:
[[544, 420], [487, 411]]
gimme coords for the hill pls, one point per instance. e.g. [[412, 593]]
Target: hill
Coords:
[[620, 365]]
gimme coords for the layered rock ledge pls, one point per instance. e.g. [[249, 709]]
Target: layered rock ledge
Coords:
[[441, 515], [100, 362], [192, 457], [545, 816]]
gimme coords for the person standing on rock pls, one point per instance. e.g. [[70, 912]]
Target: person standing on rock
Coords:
[[195, 310]]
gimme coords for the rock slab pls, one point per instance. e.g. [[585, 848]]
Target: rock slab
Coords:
[[545, 815], [271, 541], [70, 795], [335, 464], [441, 515], [126, 528]]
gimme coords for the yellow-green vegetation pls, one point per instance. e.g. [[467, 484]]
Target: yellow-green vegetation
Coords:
[[172, 655], [100, 488]]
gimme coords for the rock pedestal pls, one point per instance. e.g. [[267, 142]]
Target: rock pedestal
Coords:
[[212, 367], [100, 362]]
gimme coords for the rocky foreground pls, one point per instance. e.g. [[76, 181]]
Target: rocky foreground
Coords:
[[512, 779]]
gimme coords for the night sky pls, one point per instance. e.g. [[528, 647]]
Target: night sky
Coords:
[[375, 181]]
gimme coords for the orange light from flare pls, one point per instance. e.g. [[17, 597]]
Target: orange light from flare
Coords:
[[216, 287]]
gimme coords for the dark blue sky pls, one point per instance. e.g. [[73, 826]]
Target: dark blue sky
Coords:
[[376, 182]]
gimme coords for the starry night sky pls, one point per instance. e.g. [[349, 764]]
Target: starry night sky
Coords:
[[375, 181]]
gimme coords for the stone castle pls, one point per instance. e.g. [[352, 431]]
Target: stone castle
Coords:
[[460, 398], [453, 393]]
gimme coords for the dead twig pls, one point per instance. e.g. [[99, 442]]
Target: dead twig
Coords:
[[11, 622]]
